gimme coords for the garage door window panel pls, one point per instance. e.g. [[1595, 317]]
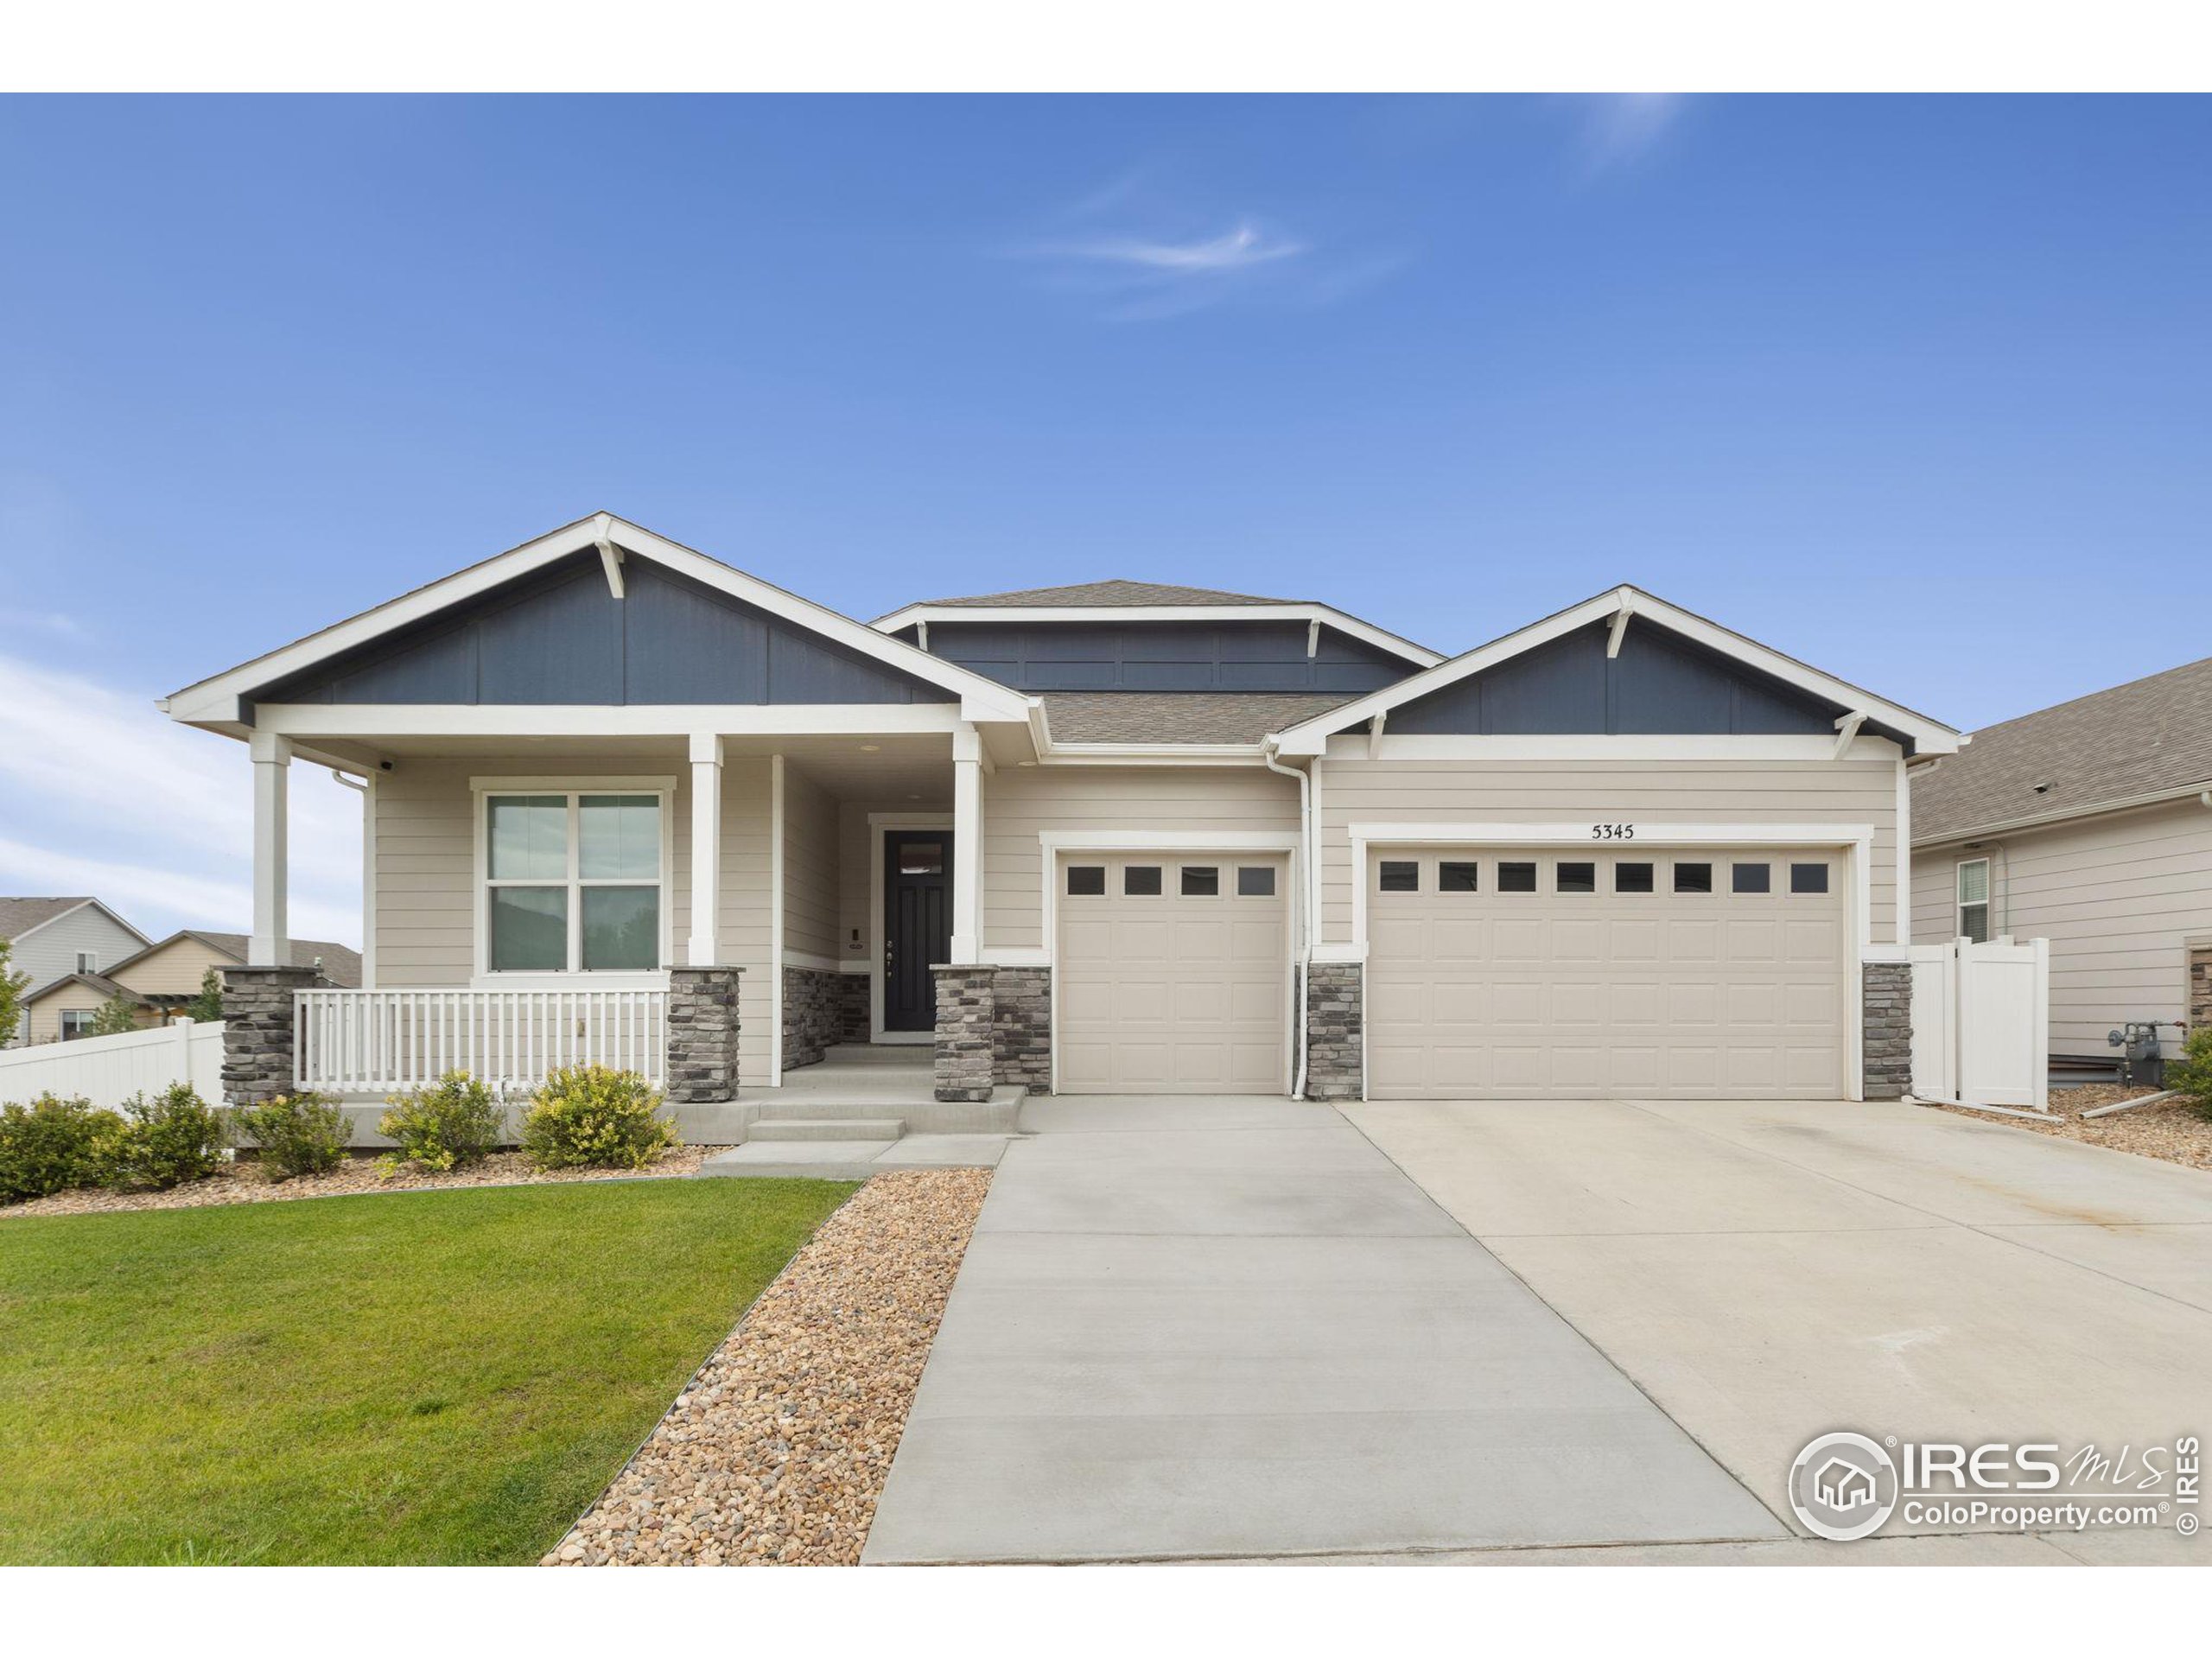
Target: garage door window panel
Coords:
[[1256, 881], [1398, 875], [1808, 878], [1201, 881], [1632, 878], [1577, 876], [1457, 875], [1516, 875], [1749, 878], [1086, 880], [1140, 881]]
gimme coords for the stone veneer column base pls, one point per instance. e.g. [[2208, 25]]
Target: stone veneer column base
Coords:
[[1885, 1030], [1022, 1027], [966, 1014], [702, 1031], [813, 1013], [851, 1008], [1335, 1044], [260, 1038]]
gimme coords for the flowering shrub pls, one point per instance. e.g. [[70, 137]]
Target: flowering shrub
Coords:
[[299, 1134], [589, 1115]]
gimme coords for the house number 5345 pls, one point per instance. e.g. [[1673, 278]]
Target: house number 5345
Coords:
[[1612, 832]]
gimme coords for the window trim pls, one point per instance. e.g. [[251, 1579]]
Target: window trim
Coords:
[[482, 791], [82, 1018], [1988, 900]]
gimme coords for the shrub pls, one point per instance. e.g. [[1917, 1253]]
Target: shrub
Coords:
[[49, 1145], [175, 1136], [209, 1005], [2192, 1072], [116, 1017], [304, 1134], [588, 1114], [455, 1122]]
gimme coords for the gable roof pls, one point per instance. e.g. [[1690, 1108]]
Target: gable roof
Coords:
[[21, 915], [106, 988], [219, 699], [1622, 605], [341, 964], [1114, 591], [2148, 738], [1191, 717]]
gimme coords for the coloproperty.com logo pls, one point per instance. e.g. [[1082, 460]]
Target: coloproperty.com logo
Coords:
[[1844, 1486]]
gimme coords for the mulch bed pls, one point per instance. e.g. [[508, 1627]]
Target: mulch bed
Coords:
[[245, 1183], [2172, 1130], [777, 1451]]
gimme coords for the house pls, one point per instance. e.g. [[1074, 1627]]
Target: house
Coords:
[[2089, 824], [51, 939], [1843, 1485], [624, 801], [159, 980]]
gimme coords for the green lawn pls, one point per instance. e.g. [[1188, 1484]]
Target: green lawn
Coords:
[[419, 1377]]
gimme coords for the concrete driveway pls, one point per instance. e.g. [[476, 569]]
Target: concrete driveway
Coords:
[[1767, 1271], [1220, 1328]]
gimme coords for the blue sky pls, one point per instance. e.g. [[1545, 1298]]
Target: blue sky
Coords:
[[1917, 390]]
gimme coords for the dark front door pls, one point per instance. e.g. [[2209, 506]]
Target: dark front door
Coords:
[[916, 924]]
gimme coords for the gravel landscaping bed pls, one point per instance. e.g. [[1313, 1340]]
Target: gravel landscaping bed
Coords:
[[2171, 1131], [776, 1450], [243, 1183]]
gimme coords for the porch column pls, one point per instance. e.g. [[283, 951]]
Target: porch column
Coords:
[[270, 943], [706, 847], [966, 845]]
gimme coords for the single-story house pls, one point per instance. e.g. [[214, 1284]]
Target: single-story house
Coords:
[[2089, 824], [49, 939], [624, 801], [160, 979]]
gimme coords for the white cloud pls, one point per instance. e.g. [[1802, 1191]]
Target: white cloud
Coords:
[[57, 622], [103, 794], [1243, 246], [1619, 129]]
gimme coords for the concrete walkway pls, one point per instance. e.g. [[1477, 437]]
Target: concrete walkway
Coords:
[[1192, 1328]]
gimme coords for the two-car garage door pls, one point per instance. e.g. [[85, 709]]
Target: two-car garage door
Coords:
[[1539, 973]]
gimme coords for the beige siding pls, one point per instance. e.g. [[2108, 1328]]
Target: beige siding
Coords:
[[810, 861], [44, 1025], [1358, 791], [176, 970], [425, 917], [1020, 803], [2119, 897]]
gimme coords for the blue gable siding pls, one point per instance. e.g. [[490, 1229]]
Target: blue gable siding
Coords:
[[1659, 684], [559, 636], [1107, 655]]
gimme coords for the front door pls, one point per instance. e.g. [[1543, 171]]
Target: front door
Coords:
[[916, 924]]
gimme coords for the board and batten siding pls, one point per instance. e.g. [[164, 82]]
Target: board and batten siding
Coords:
[[2120, 898], [424, 917], [1355, 790], [1020, 803], [810, 883]]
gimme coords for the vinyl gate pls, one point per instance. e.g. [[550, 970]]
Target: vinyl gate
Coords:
[[1981, 1022]]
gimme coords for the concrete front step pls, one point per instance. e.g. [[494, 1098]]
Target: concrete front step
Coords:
[[826, 1129], [919, 1055], [856, 1161]]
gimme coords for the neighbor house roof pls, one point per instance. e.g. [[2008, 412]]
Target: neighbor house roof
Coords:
[[98, 983], [1114, 591], [1178, 716], [2149, 738], [22, 916], [341, 964]]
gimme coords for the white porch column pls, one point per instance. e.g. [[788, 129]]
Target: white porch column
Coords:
[[270, 943], [706, 847], [966, 845]]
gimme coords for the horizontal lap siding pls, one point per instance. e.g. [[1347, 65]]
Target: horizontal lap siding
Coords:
[[1022, 803], [810, 883], [1650, 792], [2119, 897]]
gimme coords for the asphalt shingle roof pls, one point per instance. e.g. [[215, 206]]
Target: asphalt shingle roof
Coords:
[[2135, 739], [1178, 716], [341, 965], [19, 916], [1114, 592]]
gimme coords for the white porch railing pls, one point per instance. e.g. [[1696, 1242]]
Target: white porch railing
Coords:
[[375, 1042]]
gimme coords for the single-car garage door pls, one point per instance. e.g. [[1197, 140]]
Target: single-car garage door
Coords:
[[1528, 974], [1174, 974]]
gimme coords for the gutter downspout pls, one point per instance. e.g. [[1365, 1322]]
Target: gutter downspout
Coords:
[[1268, 747]]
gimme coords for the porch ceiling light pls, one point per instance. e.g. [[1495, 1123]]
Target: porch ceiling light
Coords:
[[870, 748]]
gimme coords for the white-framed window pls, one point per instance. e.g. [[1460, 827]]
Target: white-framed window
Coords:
[[1974, 899], [88, 962], [575, 879], [75, 1023]]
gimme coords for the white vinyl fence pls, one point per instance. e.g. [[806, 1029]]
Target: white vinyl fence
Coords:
[[1981, 1022], [108, 1071]]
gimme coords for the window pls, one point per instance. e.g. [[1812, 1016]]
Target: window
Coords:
[[1516, 877], [1808, 878], [1400, 876], [88, 962], [75, 1023], [1452, 876], [1140, 881], [1749, 878], [1256, 881], [921, 858], [1631, 878], [1693, 878], [1974, 899], [573, 883], [1201, 881], [1086, 880], [1576, 877]]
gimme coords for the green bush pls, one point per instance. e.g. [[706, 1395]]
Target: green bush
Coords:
[[588, 1114], [49, 1145], [2192, 1072], [455, 1122], [304, 1134], [175, 1136]]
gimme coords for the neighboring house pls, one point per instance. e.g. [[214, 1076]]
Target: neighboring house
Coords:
[[49, 938], [2089, 824], [161, 978], [1114, 838]]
